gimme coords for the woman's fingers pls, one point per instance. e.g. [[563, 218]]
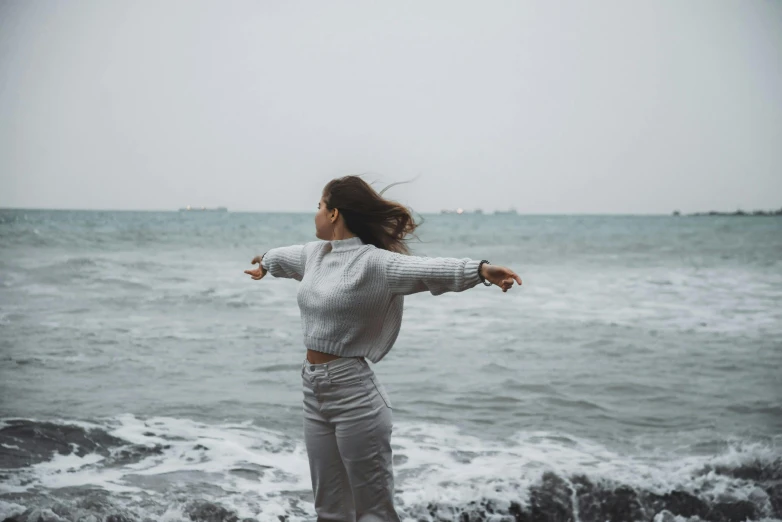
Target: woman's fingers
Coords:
[[255, 274], [506, 279]]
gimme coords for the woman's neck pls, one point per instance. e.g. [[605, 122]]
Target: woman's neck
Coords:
[[342, 234]]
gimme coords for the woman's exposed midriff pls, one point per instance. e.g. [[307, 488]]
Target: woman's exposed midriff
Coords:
[[319, 357]]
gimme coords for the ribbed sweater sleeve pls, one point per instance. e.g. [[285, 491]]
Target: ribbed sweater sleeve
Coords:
[[285, 262], [411, 274]]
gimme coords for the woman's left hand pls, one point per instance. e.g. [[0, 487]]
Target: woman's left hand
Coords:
[[257, 273], [500, 276]]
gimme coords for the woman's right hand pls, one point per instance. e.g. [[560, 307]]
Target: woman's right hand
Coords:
[[500, 276], [257, 273]]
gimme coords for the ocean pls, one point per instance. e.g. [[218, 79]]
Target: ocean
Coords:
[[636, 374]]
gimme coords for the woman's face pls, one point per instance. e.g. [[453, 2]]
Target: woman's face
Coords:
[[323, 226]]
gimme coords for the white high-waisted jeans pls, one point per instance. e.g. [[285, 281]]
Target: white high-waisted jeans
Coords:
[[347, 429]]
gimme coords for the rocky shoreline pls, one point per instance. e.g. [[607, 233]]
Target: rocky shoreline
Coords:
[[754, 492], [552, 499]]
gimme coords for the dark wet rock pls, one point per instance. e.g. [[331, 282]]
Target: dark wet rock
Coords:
[[757, 471], [26, 442], [119, 517], [209, 512], [249, 520], [474, 511], [135, 453], [95, 503], [679, 503], [758, 497], [490, 507], [738, 511], [200, 447], [775, 499], [432, 509], [515, 510], [440, 514], [607, 503], [91, 508], [88, 517], [62, 511], [550, 501]]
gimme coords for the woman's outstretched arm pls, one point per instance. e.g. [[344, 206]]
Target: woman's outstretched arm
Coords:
[[280, 262], [411, 274]]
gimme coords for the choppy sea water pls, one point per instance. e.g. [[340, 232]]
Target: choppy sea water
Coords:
[[635, 376]]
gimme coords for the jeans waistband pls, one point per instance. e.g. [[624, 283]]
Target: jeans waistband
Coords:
[[331, 366]]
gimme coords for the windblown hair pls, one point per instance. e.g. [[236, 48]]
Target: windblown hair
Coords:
[[374, 219]]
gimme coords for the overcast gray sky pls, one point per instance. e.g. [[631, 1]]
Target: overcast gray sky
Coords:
[[550, 107]]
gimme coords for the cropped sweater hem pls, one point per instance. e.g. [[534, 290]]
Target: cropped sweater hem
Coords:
[[339, 349]]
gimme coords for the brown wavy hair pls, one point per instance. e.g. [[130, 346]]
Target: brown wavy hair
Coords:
[[374, 219]]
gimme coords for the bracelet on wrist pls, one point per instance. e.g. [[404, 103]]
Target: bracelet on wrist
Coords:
[[480, 265]]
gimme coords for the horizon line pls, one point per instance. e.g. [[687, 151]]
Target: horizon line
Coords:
[[450, 212]]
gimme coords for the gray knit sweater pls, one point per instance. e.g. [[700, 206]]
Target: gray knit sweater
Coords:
[[351, 294]]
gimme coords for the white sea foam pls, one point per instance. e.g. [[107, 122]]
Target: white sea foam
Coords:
[[10, 509], [448, 467]]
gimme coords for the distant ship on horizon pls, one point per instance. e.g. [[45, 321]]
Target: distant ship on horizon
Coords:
[[203, 209], [510, 211]]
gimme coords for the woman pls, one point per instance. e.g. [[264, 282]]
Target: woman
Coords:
[[353, 283]]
